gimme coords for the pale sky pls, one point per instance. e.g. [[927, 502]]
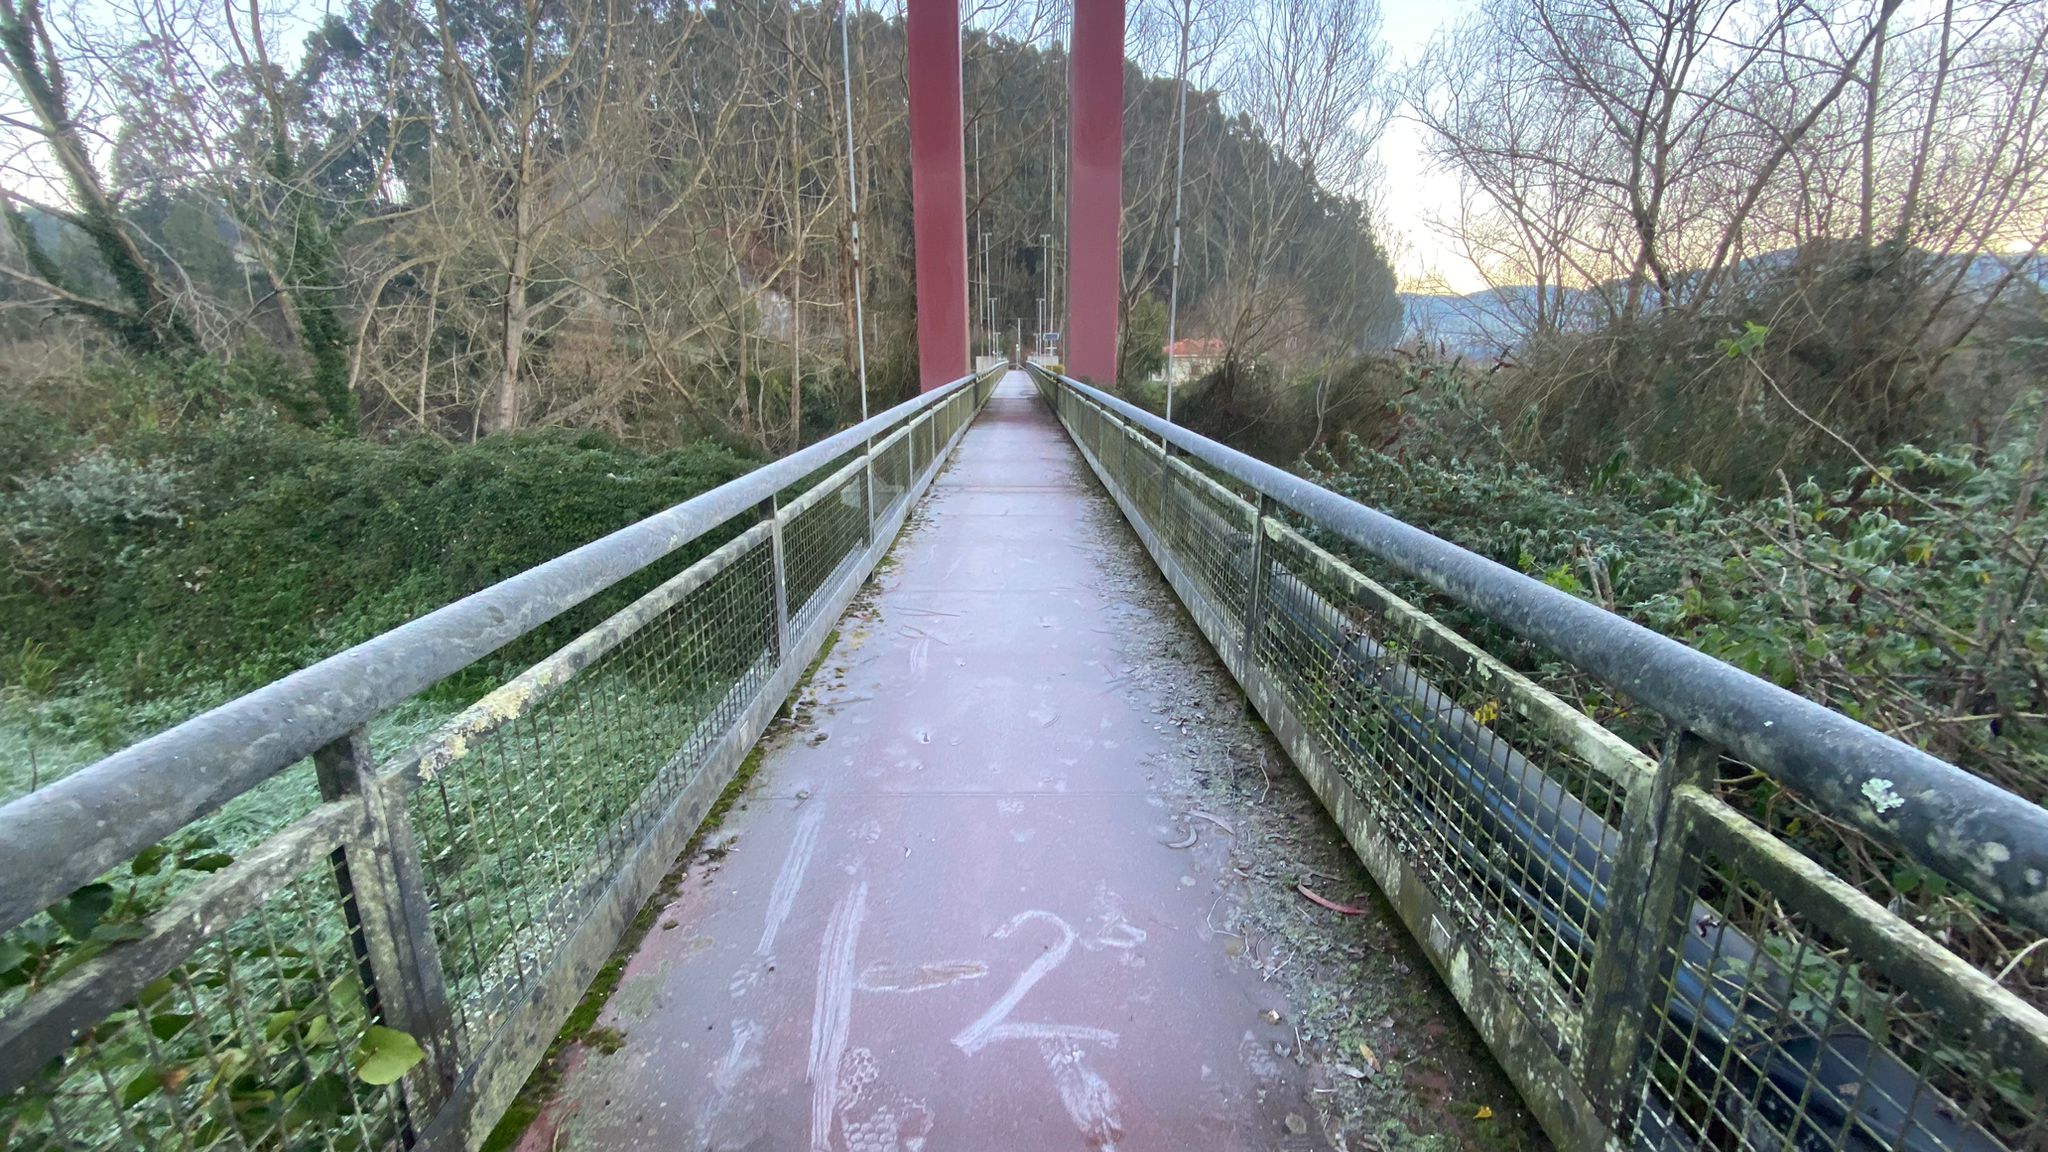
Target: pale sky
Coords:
[[1411, 193]]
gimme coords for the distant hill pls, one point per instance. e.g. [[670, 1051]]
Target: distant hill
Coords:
[[1490, 322], [1479, 324]]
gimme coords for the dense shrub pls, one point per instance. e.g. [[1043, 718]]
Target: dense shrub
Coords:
[[1869, 345], [234, 551], [87, 519], [1257, 409], [1907, 596]]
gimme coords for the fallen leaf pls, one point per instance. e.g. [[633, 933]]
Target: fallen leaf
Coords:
[[1484, 1113], [1332, 905], [1372, 1059]]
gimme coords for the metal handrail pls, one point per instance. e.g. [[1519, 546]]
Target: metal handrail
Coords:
[[1972, 832], [65, 835]]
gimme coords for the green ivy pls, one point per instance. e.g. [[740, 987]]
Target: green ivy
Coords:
[[253, 1039]]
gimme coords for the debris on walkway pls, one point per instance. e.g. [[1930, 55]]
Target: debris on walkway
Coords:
[[1326, 902]]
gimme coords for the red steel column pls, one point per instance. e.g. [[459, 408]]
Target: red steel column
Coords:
[[1095, 185], [938, 191]]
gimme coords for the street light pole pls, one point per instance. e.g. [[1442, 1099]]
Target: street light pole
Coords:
[[1180, 153], [860, 334], [980, 271], [1045, 287]]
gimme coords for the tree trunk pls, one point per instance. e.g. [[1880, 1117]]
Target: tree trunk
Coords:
[[151, 321], [518, 313], [796, 216]]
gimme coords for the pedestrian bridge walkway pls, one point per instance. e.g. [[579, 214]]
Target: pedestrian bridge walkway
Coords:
[[987, 884], [952, 909]]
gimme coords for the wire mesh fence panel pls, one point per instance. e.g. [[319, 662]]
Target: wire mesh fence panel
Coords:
[[920, 449], [1110, 437], [1438, 744], [522, 834], [1138, 469], [1209, 531], [260, 1039], [820, 545], [892, 478], [1768, 1030]]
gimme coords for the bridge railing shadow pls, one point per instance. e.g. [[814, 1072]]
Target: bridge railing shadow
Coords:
[[387, 969], [1652, 967]]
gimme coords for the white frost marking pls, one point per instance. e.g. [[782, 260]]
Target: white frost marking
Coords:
[[788, 882], [975, 1036], [993, 1025], [1116, 931], [1122, 934], [1052, 1032], [832, 1010], [883, 976], [1086, 1096], [738, 1060]]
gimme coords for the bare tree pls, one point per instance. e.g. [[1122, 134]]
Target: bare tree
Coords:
[[1309, 75], [144, 313]]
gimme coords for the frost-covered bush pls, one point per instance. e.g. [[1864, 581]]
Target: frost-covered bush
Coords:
[[64, 530]]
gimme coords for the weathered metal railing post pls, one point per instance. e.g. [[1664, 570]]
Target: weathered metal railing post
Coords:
[[1255, 588], [384, 901], [1642, 928], [771, 512], [1160, 492], [1123, 455], [867, 483]]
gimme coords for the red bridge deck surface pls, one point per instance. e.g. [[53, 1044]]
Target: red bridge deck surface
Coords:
[[950, 914]]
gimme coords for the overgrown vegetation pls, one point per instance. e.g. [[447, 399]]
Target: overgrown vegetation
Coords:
[[1863, 353], [1905, 592], [193, 541], [159, 558], [315, 1071]]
